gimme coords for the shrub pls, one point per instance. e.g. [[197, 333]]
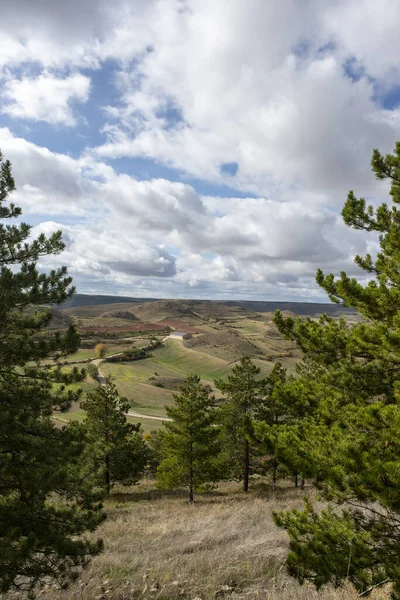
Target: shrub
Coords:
[[100, 350]]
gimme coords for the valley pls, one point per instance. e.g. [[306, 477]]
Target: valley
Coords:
[[222, 333]]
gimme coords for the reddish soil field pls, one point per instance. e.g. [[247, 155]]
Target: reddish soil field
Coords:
[[126, 328], [180, 326]]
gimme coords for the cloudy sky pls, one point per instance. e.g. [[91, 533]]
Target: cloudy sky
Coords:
[[198, 148]]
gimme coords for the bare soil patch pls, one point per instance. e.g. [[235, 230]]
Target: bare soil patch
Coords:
[[126, 328]]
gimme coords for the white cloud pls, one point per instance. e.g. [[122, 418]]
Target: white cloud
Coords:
[[263, 85], [290, 91], [58, 34], [367, 32], [128, 235], [46, 98]]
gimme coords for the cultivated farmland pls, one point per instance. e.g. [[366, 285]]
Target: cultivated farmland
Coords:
[[221, 336]]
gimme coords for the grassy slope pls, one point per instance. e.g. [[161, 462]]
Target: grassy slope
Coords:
[[148, 425], [151, 400], [174, 360], [175, 356], [157, 546], [96, 310]]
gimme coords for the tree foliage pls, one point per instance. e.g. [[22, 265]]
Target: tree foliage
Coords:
[[245, 393], [355, 422], [44, 505], [116, 450], [100, 350], [283, 429], [190, 445]]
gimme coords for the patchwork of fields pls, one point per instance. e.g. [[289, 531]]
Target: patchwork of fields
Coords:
[[222, 335]]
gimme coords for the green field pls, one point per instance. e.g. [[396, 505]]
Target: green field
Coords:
[[135, 379], [130, 380], [82, 354], [178, 358], [151, 400], [123, 372], [173, 357], [248, 326], [90, 354], [148, 425]]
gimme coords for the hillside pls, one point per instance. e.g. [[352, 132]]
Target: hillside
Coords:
[[163, 309], [301, 309], [127, 315], [59, 319], [97, 310], [229, 345], [226, 547], [89, 300], [214, 309]]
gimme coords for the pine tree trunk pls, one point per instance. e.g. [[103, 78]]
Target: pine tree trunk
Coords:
[[191, 486], [296, 480], [107, 474], [302, 483], [246, 466], [191, 474], [274, 473]]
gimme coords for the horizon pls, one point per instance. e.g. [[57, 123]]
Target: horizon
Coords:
[[148, 298], [196, 149]]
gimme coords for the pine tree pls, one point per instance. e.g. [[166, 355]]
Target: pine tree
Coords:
[[117, 452], [283, 428], [245, 396], [190, 443], [273, 412], [44, 505], [355, 428]]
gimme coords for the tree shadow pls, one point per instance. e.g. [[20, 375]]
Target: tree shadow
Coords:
[[261, 489], [146, 495]]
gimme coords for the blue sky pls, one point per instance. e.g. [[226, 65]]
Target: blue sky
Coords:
[[190, 148]]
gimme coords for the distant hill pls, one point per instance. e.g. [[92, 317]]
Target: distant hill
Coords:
[[229, 345], [127, 315], [90, 300], [162, 309], [190, 311], [96, 310], [303, 309], [196, 308], [59, 319]]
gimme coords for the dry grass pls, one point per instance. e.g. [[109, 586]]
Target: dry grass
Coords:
[[225, 546]]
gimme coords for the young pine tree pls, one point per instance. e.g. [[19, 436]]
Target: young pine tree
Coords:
[[355, 427], [190, 442], [282, 427], [117, 452], [44, 506], [273, 412], [245, 396]]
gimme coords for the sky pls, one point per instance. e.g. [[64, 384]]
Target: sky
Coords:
[[199, 148]]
